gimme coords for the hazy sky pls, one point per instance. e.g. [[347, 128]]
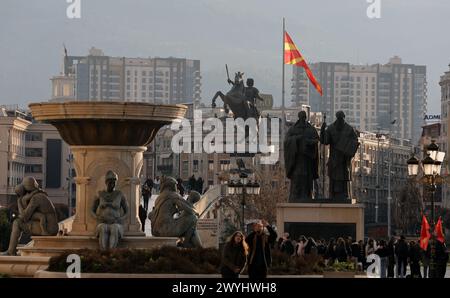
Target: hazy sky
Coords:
[[246, 34]]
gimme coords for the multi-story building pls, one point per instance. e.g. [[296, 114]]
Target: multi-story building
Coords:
[[104, 78], [444, 139], [371, 180], [389, 97], [32, 149]]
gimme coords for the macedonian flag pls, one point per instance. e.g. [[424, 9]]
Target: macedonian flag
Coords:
[[292, 56]]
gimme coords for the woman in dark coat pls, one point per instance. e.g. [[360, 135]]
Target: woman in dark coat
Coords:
[[234, 256]]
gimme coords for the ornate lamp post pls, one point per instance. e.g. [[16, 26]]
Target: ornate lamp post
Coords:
[[431, 166], [243, 186]]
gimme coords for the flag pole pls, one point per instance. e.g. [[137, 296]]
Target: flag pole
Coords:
[[283, 114], [282, 76]]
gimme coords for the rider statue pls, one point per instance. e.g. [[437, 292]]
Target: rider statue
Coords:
[[240, 99], [251, 94]]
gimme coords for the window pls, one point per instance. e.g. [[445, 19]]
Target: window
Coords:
[[211, 165], [185, 168], [33, 152], [33, 168], [195, 165], [33, 136], [224, 165]]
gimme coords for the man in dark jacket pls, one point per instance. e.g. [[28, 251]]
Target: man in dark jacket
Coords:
[[259, 242], [401, 251]]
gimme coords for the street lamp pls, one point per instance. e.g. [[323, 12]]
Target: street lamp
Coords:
[[431, 166], [243, 186]]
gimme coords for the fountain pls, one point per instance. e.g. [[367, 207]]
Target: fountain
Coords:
[[103, 136]]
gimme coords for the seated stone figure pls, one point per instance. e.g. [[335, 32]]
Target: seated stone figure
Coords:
[[37, 215], [172, 216], [23, 199], [110, 209]]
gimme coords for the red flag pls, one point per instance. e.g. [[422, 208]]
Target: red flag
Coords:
[[424, 233], [438, 231], [292, 56]]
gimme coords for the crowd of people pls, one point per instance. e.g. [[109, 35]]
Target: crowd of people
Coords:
[[395, 255]]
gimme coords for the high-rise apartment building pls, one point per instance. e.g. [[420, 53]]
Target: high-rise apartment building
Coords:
[[104, 78], [389, 97]]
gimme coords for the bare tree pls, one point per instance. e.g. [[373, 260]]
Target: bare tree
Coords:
[[408, 208]]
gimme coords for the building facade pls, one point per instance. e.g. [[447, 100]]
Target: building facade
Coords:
[[154, 80], [32, 149], [389, 97], [444, 133]]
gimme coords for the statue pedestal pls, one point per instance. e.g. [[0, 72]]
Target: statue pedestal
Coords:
[[91, 164], [48, 246], [321, 220]]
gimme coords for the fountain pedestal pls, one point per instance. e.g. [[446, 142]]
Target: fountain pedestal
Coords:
[[103, 136]]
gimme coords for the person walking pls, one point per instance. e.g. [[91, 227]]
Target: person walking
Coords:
[[391, 258], [401, 251], [180, 186], [142, 217], [259, 242], [147, 192], [414, 259], [157, 184], [426, 257], [199, 185], [234, 256], [330, 254]]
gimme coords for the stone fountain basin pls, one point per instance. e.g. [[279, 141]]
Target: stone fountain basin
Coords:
[[99, 123]]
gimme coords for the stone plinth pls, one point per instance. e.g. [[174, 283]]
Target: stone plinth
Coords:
[[22, 266], [47, 246], [91, 164], [321, 220]]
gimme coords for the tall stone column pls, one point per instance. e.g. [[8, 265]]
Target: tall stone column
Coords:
[[91, 164]]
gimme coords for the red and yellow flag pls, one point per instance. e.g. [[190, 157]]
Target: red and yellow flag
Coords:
[[292, 56], [439, 231], [424, 233]]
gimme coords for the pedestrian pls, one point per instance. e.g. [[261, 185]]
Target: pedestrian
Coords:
[[401, 252], [414, 259], [147, 192], [341, 250], [371, 247], [426, 257], [301, 244], [321, 248], [199, 185], [441, 259], [180, 186], [383, 252], [286, 245], [192, 184], [259, 242], [330, 254], [157, 184], [142, 216], [311, 247], [390, 257], [234, 256]]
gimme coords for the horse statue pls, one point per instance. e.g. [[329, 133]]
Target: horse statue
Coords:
[[235, 99]]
